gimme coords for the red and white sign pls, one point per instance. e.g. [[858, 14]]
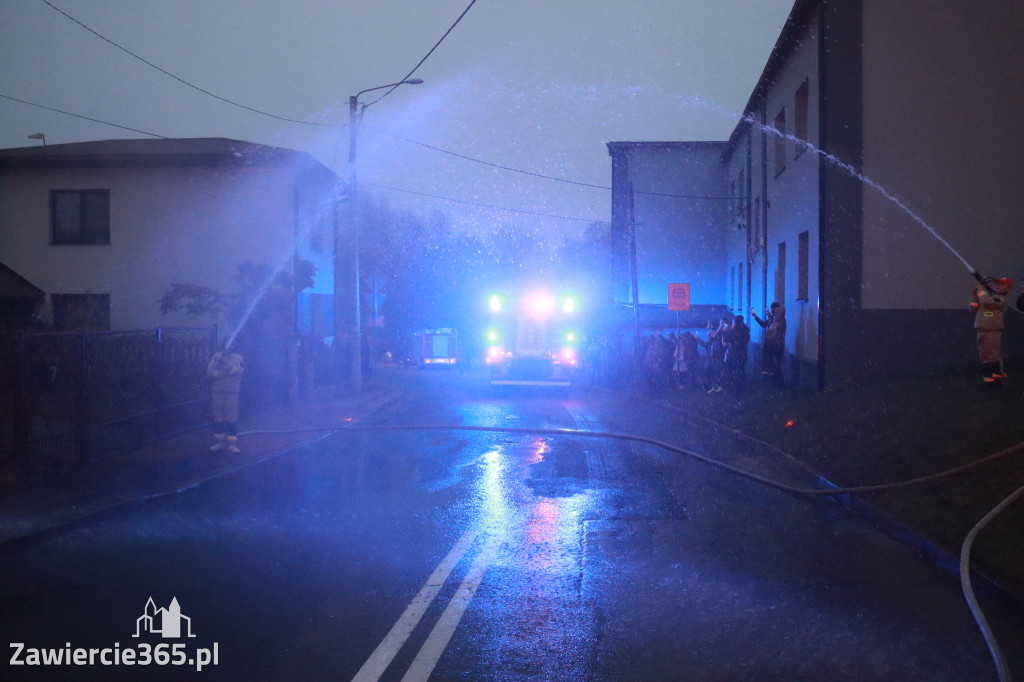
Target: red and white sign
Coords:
[[679, 296]]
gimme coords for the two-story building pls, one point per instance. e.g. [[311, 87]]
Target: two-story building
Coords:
[[874, 168], [105, 228]]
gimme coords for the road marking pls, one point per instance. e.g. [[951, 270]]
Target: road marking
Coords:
[[442, 633], [385, 652]]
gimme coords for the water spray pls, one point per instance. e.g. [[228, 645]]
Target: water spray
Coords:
[[301, 236], [853, 172], [255, 302]]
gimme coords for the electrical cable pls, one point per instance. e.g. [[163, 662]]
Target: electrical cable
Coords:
[[396, 189], [182, 80], [540, 175], [450, 29], [87, 118], [473, 203], [185, 141]]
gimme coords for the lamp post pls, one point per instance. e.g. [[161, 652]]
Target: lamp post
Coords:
[[356, 353]]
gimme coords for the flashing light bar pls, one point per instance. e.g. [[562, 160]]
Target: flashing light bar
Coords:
[[540, 305]]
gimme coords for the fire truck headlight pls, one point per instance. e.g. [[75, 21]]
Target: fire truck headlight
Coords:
[[570, 337], [570, 304], [495, 302], [493, 336]]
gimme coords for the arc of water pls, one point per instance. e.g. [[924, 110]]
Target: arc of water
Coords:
[[853, 172]]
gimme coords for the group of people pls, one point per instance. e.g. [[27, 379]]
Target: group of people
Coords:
[[722, 364]]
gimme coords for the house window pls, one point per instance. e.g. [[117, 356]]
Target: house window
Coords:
[[81, 311], [760, 235], [780, 274], [742, 195], [739, 284], [800, 119], [803, 255], [732, 286], [780, 142], [80, 216]]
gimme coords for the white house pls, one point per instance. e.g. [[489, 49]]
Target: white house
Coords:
[[105, 228], [876, 166]]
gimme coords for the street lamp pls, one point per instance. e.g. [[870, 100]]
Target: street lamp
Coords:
[[356, 354]]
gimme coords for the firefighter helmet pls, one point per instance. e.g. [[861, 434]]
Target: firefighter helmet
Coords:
[[1002, 285]]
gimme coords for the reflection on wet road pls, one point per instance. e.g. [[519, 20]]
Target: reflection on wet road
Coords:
[[508, 555]]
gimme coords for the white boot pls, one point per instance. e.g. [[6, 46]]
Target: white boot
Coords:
[[233, 444], [219, 443]]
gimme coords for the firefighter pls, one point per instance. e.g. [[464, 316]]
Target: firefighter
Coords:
[[988, 303], [225, 369]]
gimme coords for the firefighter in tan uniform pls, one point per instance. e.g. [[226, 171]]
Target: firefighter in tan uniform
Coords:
[[988, 303], [225, 369]]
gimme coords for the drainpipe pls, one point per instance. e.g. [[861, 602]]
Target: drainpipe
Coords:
[[764, 202]]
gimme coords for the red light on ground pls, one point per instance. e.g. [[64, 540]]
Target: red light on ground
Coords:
[[790, 423], [348, 419]]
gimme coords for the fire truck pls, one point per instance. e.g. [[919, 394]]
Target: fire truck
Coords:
[[434, 347], [532, 338]]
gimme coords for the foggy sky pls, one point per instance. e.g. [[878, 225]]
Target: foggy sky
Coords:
[[535, 85]]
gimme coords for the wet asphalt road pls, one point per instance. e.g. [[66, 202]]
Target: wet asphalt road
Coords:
[[473, 556]]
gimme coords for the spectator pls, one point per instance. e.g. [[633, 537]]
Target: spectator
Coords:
[[716, 354], [689, 360], [774, 325], [737, 338]]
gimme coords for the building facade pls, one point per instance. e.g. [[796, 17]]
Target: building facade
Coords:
[[106, 228], [874, 170]]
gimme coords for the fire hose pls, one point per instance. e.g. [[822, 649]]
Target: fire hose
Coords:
[[965, 577]]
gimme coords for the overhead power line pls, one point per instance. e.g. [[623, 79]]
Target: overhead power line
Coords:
[[87, 118], [396, 189], [485, 163], [474, 203], [408, 75], [538, 175], [182, 80]]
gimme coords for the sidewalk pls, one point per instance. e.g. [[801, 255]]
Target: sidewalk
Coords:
[[897, 428], [174, 464]]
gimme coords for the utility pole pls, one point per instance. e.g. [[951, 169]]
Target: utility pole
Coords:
[[356, 354], [356, 351]]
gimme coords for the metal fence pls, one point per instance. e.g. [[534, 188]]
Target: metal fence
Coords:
[[68, 399]]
